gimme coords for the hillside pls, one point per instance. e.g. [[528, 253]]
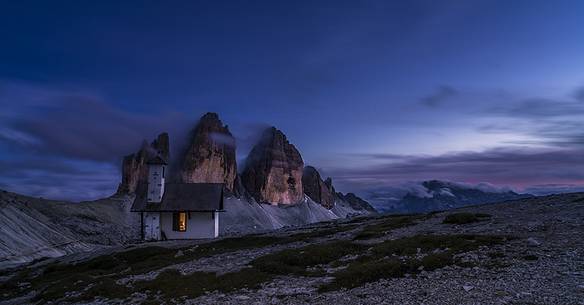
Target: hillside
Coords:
[[34, 228], [527, 251]]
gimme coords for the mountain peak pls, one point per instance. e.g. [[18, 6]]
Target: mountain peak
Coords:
[[273, 171], [317, 189], [210, 155]]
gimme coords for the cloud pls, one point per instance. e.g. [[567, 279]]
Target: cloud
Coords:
[[579, 94], [483, 186], [515, 167], [222, 139], [538, 108], [547, 122], [247, 135], [82, 126], [68, 144], [442, 94], [547, 189], [59, 179]]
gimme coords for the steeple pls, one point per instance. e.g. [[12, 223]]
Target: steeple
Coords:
[[156, 178]]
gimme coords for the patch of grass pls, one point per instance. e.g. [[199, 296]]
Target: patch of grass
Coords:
[[87, 217], [386, 225], [395, 258], [87, 289], [172, 284], [436, 261], [464, 218], [456, 243], [358, 273], [530, 257], [496, 254], [296, 261], [321, 232], [358, 219]]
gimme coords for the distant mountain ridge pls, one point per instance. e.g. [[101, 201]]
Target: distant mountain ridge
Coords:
[[435, 195]]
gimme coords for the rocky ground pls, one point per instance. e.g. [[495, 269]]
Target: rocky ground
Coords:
[[529, 251]]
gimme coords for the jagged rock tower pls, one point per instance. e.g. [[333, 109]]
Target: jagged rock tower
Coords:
[[273, 171], [320, 191], [210, 155], [134, 168]]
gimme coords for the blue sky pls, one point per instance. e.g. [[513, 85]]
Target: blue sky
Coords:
[[373, 93]]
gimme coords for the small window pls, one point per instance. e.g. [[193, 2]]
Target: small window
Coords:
[[179, 221], [163, 171]]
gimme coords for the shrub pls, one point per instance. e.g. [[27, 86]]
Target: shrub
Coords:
[[464, 218], [382, 228], [530, 257], [394, 258], [172, 284], [295, 261]]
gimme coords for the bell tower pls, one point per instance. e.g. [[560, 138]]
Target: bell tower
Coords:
[[156, 178]]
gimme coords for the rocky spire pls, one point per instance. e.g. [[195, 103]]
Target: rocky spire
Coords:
[[134, 168], [210, 155], [319, 191], [273, 171]]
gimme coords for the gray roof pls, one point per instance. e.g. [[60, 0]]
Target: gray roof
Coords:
[[196, 197]]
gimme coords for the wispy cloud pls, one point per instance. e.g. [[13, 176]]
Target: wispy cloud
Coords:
[[58, 178], [547, 122], [68, 144], [579, 94], [441, 95], [516, 167], [80, 126]]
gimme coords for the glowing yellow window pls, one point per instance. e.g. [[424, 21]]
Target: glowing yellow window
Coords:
[[179, 221]]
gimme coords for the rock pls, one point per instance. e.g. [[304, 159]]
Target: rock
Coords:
[[210, 155], [329, 184], [242, 297], [179, 253], [355, 202], [533, 242], [316, 189], [134, 168], [467, 288], [273, 171]]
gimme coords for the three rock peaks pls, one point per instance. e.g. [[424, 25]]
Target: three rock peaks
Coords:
[[274, 171]]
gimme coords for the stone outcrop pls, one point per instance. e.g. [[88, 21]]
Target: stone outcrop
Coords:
[[356, 202], [134, 168], [319, 191], [210, 155], [273, 172]]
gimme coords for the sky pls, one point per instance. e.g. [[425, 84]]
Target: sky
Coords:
[[373, 93]]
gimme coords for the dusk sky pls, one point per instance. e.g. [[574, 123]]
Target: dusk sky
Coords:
[[373, 93]]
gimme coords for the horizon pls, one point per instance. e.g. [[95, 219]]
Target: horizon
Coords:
[[376, 95]]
